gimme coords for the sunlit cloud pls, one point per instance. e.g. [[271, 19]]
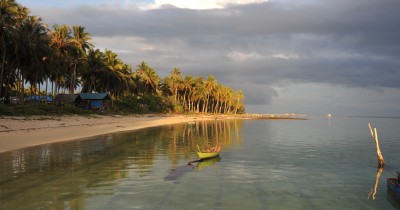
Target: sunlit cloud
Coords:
[[240, 56], [200, 5], [286, 56]]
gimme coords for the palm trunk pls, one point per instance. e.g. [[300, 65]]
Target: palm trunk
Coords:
[[47, 83], [3, 63], [72, 82], [21, 96]]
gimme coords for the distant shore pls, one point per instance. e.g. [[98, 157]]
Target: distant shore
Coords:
[[21, 132]]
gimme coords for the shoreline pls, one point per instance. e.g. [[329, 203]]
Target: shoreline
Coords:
[[22, 132]]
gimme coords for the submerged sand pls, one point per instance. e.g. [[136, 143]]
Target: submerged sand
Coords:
[[21, 132]]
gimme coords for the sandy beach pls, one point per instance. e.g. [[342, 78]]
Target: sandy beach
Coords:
[[21, 132]]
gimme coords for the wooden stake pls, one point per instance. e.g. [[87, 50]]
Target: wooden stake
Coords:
[[374, 134], [370, 128]]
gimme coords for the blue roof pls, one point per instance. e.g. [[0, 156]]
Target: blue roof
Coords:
[[94, 96], [36, 98]]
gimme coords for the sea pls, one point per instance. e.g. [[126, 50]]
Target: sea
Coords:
[[312, 163]]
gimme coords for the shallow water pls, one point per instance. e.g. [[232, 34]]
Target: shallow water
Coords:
[[265, 164]]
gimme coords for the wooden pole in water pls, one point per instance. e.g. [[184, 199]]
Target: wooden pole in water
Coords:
[[374, 135]]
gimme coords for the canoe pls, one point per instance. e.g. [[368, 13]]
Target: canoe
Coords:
[[209, 153], [206, 155], [393, 186]]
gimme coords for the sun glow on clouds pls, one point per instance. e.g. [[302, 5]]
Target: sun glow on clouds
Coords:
[[240, 56], [286, 56], [203, 4]]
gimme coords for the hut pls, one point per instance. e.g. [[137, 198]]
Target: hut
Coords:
[[43, 99], [95, 100], [74, 99]]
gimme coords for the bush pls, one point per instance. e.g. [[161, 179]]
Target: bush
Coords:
[[128, 104], [71, 109], [142, 104], [21, 110], [155, 103]]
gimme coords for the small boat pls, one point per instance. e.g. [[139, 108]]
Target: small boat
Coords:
[[393, 185], [209, 153]]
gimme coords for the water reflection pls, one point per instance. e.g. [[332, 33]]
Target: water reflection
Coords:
[[176, 173], [207, 163], [374, 188], [65, 175]]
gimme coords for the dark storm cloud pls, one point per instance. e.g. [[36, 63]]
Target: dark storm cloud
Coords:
[[349, 43]]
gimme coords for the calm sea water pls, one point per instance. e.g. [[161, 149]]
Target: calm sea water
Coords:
[[265, 164]]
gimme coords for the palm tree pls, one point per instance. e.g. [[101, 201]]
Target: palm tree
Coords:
[[114, 64], [148, 78], [176, 82], [217, 97], [187, 91], [210, 85], [96, 64], [199, 93], [60, 42], [34, 51], [80, 44], [11, 16], [238, 100]]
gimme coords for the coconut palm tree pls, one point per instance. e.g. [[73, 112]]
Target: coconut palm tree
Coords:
[[239, 96], [210, 85], [34, 50], [11, 17], [187, 88], [199, 93], [80, 42], [96, 64], [60, 42], [176, 82], [147, 78]]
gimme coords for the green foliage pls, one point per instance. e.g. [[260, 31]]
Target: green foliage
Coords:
[[21, 110], [66, 58], [69, 109], [178, 109], [154, 103], [128, 104], [143, 104], [40, 109]]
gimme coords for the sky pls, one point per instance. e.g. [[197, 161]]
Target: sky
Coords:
[[310, 57]]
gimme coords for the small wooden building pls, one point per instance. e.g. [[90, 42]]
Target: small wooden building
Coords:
[[95, 100], [68, 99]]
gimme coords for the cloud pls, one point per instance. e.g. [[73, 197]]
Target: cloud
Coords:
[[253, 45], [240, 57], [200, 5]]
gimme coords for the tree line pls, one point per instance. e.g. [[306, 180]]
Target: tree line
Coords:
[[63, 59]]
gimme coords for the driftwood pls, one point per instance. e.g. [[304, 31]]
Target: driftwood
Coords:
[[374, 134]]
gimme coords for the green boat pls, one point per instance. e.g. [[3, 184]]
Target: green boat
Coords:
[[209, 153], [206, 155]]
